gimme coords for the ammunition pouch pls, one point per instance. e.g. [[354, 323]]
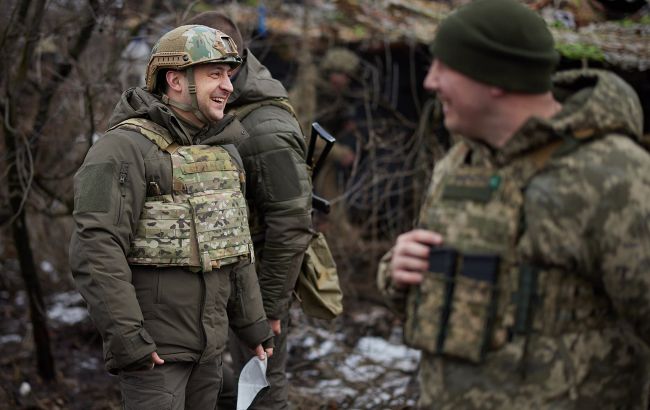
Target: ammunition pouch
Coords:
[[318, 286], [452, 311]]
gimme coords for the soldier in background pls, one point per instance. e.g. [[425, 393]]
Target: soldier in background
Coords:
[[339, 104], [278, 196], [162, 252], [527, 282]]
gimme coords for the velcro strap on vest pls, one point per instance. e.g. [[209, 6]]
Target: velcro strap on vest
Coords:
[[172, 148], [525, 299], [149, 129]]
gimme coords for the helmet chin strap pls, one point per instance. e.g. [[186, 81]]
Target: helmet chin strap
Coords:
[[194, 107]]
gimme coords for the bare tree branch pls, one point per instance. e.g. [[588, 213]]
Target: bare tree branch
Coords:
[[63, 69]]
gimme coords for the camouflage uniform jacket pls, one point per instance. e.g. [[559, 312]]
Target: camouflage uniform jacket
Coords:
[[587, 222], [278, 184], [184, 316]]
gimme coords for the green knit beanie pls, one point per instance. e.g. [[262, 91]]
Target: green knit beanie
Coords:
[[498, 42]]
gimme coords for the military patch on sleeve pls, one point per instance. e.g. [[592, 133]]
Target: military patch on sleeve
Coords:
[[280, 176], [95, 186]]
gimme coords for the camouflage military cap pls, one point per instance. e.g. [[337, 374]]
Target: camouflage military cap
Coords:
[[189, 45]]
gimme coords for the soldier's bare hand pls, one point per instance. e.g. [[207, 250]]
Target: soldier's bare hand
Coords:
[[276, 326], [156, 360], [411, 256], [262, 353]]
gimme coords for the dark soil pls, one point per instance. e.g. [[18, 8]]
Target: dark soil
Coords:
[[83, 383]]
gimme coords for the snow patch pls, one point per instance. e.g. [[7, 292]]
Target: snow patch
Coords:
[[47, 266], [24, 389], [399, 357], [90, 363], [10, 339], [63, 309]]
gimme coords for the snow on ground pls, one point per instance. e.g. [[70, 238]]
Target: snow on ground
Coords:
[[64, 308], [390, 355], [373, 373], [383, 369], [10, 339]]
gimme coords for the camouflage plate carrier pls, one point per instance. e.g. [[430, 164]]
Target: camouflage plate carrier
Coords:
[[478, 295], [202, 224]]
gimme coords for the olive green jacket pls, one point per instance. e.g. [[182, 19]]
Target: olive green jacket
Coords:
[[587, 233], [279, 186], [184, 316]]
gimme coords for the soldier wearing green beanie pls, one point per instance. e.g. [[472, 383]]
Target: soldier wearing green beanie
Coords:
[[498, 42], [526, 284]]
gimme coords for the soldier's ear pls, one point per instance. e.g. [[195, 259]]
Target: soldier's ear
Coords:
[[175, 80]]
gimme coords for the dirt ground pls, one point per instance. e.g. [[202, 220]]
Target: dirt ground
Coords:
[[81, 384], [326, 368]]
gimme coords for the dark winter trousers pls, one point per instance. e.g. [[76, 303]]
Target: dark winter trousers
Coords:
[[275, 398], [173, 386]]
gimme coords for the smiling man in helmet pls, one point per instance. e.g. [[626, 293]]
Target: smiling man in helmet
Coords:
[[162, 252], [279, 198], [190, 67]]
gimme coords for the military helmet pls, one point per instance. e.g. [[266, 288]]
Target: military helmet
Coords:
[[341, 60], [186, 46]]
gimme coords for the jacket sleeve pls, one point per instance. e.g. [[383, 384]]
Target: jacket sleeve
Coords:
[[395, 297], [621, 225], [592, 214], [245, 310], [280, 188], [625, 260], [109, 193]]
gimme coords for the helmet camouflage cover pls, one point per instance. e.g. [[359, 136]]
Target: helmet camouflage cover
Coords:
[[190, 45], [340, 59]]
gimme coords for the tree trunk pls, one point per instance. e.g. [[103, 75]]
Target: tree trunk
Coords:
[[22, 244], [44, 358], [23, 143]]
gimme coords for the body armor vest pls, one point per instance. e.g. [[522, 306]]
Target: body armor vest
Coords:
[[202, 224], [479, 293]]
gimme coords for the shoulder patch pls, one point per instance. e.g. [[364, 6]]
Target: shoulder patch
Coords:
[[280, 176], [95, 183]]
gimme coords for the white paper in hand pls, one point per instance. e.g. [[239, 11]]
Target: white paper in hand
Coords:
[[251, 380]]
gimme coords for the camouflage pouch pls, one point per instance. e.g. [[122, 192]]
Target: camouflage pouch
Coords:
[[427, 305], [318, 283], [473, 305]]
